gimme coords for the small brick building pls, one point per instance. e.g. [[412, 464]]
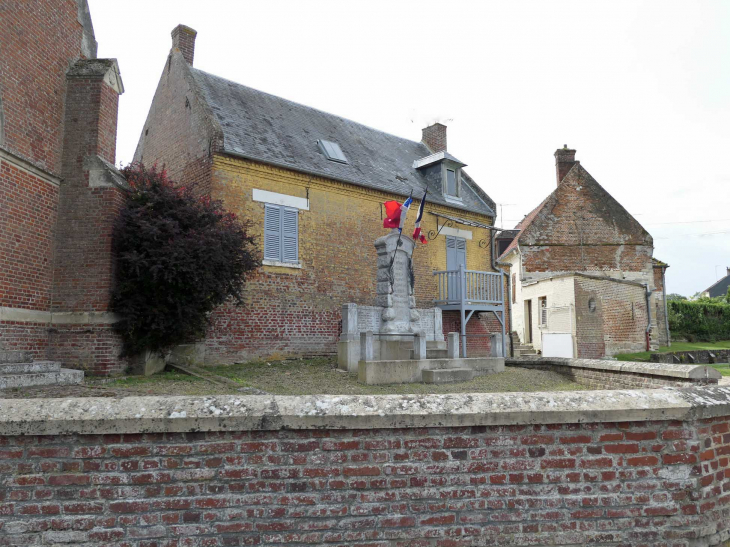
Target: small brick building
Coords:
[[312, 184], [584, 282], [59, 190]]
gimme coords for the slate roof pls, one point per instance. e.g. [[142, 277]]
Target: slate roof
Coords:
[[719, 288], [266, 128]]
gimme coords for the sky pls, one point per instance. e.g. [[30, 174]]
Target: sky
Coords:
[[640, 89]]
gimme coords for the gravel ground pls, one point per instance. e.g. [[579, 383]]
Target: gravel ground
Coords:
[[292, 377]]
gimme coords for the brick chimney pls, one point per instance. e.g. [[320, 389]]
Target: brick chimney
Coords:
[[564, 160], [434, 136], [183, 38]]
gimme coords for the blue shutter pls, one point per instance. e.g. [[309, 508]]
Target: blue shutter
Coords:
[[290, 235], [451, 263], [460, 252], [272, 233]]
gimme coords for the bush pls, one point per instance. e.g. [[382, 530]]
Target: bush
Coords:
[[702, 321], [178, 257]]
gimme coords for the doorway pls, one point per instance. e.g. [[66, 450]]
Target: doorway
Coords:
[[528, 321], [455, 256]]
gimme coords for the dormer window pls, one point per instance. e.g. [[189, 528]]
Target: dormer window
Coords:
[[443, 173], [451, 188]]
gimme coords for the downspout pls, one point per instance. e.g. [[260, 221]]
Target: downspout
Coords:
[[648, 316], [492, 235], [666, 313]]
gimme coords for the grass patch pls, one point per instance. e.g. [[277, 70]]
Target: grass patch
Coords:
[[320, 376], [167, 376], [676, 346], [164, 383]]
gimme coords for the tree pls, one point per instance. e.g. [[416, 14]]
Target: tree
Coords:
[[675, 296], [178, 257]]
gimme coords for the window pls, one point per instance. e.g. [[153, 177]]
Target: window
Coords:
[[281, 234], [332, 151], [451, 189], [543, 310]]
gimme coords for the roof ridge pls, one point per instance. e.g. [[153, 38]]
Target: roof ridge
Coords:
[[310, 107]]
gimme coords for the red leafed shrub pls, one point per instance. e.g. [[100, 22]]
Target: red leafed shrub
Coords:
[[178, 256]]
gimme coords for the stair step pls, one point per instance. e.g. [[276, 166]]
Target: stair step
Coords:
[[63, 377], [447, 375], [30, 368], [434, 353], [15, 356], [435, 344]]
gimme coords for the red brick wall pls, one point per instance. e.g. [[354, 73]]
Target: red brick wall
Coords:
[[83, 272], [38, 40], [177, 132], [478, 330], [582, 227], [618, 323], [28, 208], [634, 484]]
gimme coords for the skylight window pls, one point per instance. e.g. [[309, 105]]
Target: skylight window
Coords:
[[332, 151]]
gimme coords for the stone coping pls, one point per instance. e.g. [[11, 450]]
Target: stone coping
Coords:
[[271, 412], [689, 372]]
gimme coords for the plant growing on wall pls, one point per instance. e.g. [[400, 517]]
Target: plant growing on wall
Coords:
[[178, 257]]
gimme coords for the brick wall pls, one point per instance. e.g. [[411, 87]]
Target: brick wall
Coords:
[[28, 209], [647, 483], [478, 330], [39, 41], [618, 322], [177, 132]]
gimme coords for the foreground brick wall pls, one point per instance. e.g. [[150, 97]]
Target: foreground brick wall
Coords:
[[631, 484]]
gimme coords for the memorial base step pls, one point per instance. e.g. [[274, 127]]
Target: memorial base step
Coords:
[[33, 367], [15, 356], [63, 377], [448, 375]]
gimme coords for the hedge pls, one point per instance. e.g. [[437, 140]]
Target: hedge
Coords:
[[701, 321]]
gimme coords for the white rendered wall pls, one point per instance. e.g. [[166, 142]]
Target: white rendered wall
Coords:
[[560, 292]]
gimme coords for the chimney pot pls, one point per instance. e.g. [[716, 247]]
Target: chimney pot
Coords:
[[183, 38], [434, 136], [564, 160]]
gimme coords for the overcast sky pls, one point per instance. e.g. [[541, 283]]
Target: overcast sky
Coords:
[[640, 89]]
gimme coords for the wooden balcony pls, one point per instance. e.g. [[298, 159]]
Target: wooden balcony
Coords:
[[470, 291]]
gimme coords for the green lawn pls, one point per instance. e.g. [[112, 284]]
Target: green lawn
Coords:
[[676, 346], [724, 368]]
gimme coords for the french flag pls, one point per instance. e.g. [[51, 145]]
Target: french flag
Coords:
[[417, 232], [395, 214]]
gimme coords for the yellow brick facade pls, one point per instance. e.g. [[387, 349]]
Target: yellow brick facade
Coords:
[[336, 234]]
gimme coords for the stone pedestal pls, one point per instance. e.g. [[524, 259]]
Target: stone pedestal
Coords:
[[395, 284]]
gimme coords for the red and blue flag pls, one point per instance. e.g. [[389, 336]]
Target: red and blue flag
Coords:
[[417, 235]]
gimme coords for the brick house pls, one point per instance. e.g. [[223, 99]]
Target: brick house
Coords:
[[58, 186], [312, 184], [584, 282]]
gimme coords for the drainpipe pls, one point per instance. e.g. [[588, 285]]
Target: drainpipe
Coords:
[[666, 313], [648, 316], [492, 235]]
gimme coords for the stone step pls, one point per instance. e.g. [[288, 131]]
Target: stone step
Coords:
[[447, 375], [29, 368], [15, 356], [435, 344], [63, 377], [434, 353]]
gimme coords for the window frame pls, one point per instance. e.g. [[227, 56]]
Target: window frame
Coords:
[[446, 167]]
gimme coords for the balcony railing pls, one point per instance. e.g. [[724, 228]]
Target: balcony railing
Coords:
[[469, 287]]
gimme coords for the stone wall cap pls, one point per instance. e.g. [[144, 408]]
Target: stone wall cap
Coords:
[[689, 372], [272, 412]]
